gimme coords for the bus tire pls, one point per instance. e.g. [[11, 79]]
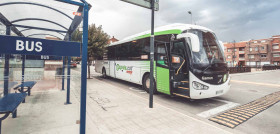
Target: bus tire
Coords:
[[104, 73], [146, 81]]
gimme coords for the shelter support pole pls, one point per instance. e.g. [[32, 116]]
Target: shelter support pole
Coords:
[[7, 66], [68, 80], [152, 47], [84, 71], [63, 70], [68, 77], [22, 71]]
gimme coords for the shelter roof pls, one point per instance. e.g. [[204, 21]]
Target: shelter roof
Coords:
[[41, 18]]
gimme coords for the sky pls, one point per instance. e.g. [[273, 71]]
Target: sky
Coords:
[[238, 20]]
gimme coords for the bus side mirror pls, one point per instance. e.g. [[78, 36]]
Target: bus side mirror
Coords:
[[194, 42]]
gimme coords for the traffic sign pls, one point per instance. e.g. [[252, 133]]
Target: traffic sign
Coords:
[[34, 46], [143, 3]]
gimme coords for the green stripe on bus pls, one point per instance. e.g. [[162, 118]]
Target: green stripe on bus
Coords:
[[175, 31]]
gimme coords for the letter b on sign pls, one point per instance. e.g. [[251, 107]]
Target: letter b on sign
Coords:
[[19, 45]]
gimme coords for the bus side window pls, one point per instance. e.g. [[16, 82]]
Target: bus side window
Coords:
[[145, 48], [161, 55], [135, 49], [111, 52], [122, 51]]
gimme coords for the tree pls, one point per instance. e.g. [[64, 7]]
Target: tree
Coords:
[[97, 41]]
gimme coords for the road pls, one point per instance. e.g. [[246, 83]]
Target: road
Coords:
[[245, 88]]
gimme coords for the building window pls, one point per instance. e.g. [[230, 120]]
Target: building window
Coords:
[[228, 56], [263, 55], [228, 50], [251, 56], [276, 55], [275, 46], [251, 49], [262, 48], [256, 48], [263, 41]]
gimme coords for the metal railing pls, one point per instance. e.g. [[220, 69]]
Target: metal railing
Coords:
[[264, 68], [241, 52], [233, 70]]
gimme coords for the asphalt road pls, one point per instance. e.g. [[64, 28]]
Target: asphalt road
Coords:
[[245, 88]]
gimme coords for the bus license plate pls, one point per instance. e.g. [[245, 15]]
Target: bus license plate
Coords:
[[219, 92]]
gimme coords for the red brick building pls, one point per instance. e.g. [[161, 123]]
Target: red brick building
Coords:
[[253, 53]]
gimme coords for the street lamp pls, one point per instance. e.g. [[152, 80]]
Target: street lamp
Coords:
[[191, 16]]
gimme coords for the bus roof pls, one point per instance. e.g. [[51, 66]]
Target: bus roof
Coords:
[[176, 28]]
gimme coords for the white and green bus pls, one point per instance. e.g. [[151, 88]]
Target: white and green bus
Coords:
[[189, 61]]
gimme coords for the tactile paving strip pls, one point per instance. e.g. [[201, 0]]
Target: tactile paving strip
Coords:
[[240, 114]]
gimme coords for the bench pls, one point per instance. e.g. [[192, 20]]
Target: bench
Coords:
[[9, 104], [26, 85]]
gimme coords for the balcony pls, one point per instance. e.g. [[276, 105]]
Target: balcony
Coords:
[[241, 52], [241, 58]]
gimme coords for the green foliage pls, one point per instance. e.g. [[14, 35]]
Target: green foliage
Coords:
[[97, 40], [77, 36]]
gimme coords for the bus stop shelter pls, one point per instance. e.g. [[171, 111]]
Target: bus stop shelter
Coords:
[[27, 21]]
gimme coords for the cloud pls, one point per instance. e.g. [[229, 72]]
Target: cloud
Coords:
[[231, 19]]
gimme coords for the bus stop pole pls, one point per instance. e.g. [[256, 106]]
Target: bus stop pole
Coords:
[[22, 71], [63, 70], [152, 47], [7, 66], [84, 71], [68, 77]]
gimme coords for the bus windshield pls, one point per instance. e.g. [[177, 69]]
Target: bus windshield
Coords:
[[210, 50]]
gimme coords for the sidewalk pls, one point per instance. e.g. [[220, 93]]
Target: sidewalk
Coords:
[[110, 109]]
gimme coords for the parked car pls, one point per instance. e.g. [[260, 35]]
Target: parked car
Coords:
[[73, 65]]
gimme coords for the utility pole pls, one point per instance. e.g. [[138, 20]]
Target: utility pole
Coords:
[[152, 45], [258, 46], [233, 58], [249, 53]]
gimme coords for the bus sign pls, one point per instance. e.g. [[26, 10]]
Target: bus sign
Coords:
[[34, 46], [143, 3]]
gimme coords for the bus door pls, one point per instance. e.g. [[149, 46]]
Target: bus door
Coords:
[[112, 68], [179, 68], [112, 62], [162, 69]]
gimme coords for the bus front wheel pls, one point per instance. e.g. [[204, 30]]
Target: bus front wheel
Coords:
[[146, 84]]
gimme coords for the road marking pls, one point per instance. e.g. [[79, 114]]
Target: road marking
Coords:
[[256, 83], [219, 109]]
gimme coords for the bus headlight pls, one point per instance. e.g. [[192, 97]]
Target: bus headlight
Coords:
[[199, 86]]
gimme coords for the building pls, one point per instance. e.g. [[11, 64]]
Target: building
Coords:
[[235, 53], [254, 53]]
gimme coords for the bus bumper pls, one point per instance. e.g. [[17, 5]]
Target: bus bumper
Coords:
[[212, 91]]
